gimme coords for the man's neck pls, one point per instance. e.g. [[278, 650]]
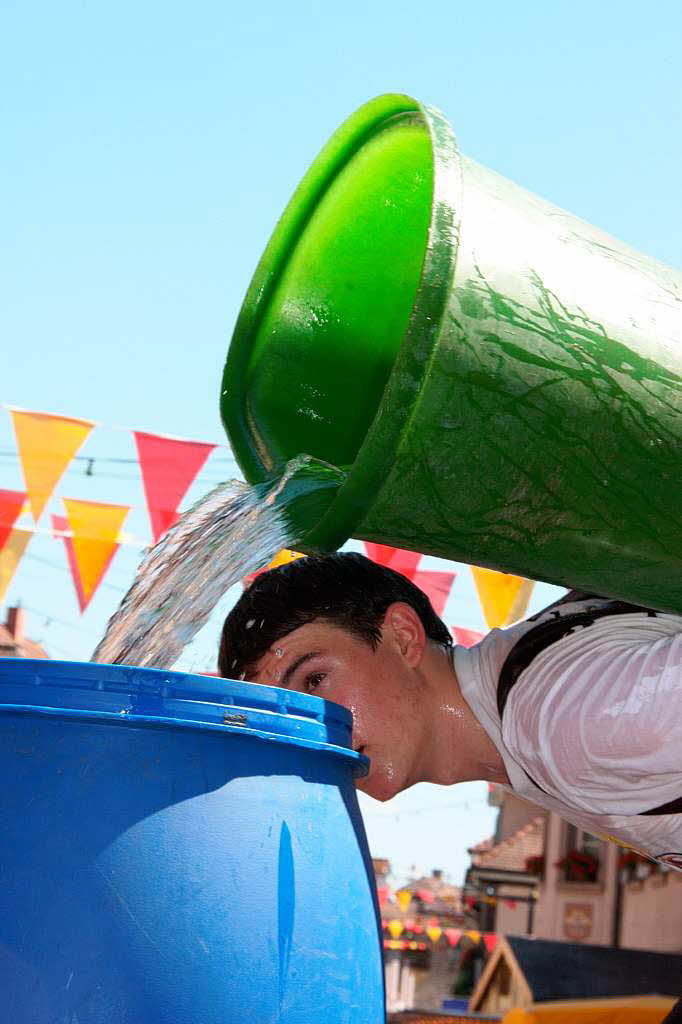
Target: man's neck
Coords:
[[458, 749]]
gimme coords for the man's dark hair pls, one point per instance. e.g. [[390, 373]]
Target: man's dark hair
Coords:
[[344, 589]]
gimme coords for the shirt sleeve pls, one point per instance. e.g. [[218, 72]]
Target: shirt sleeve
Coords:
[[596, 718]]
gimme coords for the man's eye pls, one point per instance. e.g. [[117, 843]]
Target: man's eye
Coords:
[[313, 680]]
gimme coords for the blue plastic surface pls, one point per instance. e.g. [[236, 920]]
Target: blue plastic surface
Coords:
[[180, 849]]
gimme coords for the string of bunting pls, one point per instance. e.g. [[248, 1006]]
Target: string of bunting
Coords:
[[92, 531], [409, 935]]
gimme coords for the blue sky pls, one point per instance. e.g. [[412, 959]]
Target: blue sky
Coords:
[[148, 150]]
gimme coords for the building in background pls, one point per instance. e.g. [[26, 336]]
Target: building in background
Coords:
[[13, 640], [501, 885], [543, 877], [422, 924]]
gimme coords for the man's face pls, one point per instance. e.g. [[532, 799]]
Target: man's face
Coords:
[[376, 686]]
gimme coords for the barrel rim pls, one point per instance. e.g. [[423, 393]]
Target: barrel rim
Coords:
[[132, 695]]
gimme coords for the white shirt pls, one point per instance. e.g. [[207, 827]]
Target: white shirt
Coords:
[[595, 720]]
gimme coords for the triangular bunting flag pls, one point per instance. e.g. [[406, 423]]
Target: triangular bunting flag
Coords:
[[435, 584], [11, 504], [282, 557], [10, 556], [466, 637], [168, 468], [46, 446], [404, 898], [504, 598], [95, 529]]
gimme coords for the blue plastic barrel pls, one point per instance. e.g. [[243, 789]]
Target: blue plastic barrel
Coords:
[[176, 849]]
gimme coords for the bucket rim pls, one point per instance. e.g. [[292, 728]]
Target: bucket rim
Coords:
[[401, 395]]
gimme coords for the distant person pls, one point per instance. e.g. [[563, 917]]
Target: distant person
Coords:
[[578, 709]]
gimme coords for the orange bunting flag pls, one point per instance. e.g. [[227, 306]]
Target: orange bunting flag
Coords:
[[11, 504], [504, 598], [435, 584], [168, 466], [395, 927], [10, 556], [95, 530], [283, 557], [46, 445], [404, 898]]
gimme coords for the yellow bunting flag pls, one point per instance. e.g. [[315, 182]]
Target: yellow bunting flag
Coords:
[[95, 528], [434, 932], [10, 556], [504, 598], [395, 927], [46, 446], [404, 898], [474, 936]]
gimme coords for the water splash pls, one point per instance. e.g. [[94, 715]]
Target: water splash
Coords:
[[228, 534]]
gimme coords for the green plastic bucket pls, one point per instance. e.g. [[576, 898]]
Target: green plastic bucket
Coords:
[[501, 380]]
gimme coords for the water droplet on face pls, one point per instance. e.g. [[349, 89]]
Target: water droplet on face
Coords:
[[279, 652], [278, 676]]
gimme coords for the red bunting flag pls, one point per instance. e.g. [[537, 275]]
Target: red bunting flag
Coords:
[[11, 504], [168, 467], [436, 585], [466, 637]]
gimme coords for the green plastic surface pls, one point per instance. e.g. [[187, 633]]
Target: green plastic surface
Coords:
[[500, 381], [307, 373]]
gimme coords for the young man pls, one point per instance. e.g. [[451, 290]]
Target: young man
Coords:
[[578, 710]]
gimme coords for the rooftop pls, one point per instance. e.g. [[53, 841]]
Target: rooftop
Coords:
[[512, 853], [13, 640]]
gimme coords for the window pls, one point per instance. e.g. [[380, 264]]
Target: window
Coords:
[[580, 862]]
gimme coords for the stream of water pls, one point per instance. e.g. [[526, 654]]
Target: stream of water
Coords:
[[228, 534]]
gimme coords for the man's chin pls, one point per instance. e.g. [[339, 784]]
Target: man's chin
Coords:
[[379, 789]]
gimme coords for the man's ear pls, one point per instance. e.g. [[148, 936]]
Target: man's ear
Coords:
[[403, 627]]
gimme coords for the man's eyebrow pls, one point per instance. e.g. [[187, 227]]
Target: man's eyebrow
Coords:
[[295, 665]]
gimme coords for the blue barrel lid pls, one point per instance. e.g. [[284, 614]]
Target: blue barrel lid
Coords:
[[139, 695]]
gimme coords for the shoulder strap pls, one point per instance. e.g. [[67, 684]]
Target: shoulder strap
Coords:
[[547, 633]]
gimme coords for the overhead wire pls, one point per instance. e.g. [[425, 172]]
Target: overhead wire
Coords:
[[62, 568]]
